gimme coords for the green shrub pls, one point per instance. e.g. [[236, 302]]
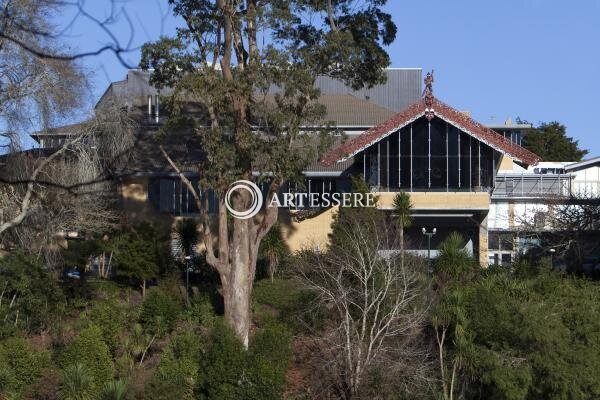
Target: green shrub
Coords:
[[34, 294], [201, 309], [177, 372], [107, 316], [286, 303], [158, 389], [228, 371], [77, 383], [89, 349], [268, 358], [20, 366], [534, 338], [114, 390], [159, 312], [222, 366], [279, 294]]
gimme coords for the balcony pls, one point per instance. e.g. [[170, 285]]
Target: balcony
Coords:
[[527, 185]]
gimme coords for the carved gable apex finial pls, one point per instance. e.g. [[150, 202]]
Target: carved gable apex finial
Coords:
[[428, 96]]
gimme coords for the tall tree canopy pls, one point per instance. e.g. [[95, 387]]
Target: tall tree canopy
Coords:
[[550, 141], [251, 66]]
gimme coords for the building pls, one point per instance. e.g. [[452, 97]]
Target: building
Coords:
[[461, 174]]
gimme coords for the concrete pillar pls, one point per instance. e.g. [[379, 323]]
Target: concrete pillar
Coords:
[[483, 242]]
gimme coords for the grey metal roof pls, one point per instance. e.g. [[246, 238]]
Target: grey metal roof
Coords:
[[583, 164], [132, 91], [403, 88]]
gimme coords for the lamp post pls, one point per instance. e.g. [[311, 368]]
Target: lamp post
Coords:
[[429, 235], [187, 279], [552, 251]]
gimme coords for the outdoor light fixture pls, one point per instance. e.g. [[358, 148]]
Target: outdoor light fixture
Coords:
[[429, 235], [552, 251]]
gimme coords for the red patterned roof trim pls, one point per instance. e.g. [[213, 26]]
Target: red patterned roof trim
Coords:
[[445, 112]]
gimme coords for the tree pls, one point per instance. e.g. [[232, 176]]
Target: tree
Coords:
[[534, 338], [64, 189], [251, 68], [402, 210], [550, 141], [376, 306], [29, 296], [35, 90], [136, 258], [569, 230], [42, 84]]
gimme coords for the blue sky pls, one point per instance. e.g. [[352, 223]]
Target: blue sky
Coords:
[[534, 59]]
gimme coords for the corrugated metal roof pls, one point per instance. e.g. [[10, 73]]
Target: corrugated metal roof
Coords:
[[403, 88], [346, 110]]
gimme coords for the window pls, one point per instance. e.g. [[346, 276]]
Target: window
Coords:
[[169, 195]]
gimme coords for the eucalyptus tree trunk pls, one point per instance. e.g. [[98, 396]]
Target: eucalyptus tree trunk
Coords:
[[237, 285]]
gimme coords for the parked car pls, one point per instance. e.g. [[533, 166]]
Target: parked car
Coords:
[[73, 274]]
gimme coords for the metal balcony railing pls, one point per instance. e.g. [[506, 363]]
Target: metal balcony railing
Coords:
[[532, 185]]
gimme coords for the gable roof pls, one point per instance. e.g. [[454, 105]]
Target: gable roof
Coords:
[[454, 117]]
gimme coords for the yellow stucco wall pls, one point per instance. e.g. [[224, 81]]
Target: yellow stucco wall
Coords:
[[135, 205], [506, 163], [314, 232], [309, 233], [440, 200]]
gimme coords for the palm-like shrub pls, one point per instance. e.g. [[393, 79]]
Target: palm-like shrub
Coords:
[[186, 236], [402, 210], [454, 263], [77, 383], [114, 390], [273, 249]]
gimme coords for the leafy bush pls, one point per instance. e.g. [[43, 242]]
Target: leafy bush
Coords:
[[229, 372], [222, 365], [143, 252], [177, 372], [89, 349], [31, 297], [107, 316], [268, 358], [286, 303], [202, 309], [20, 366], [536, 338], [159, 312], [279, 294]]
